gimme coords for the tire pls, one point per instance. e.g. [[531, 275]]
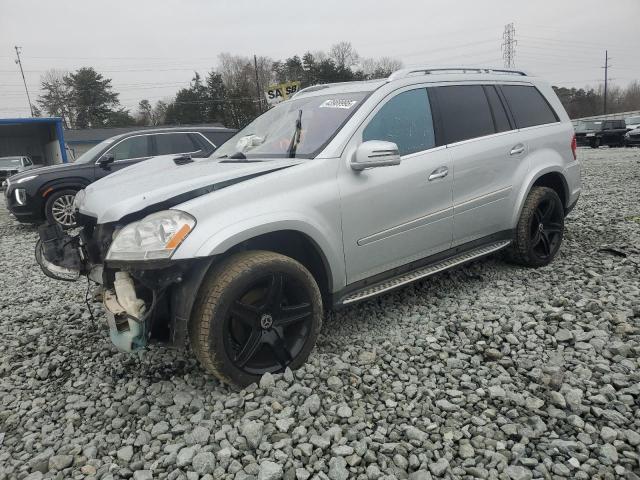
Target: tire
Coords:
[[58, 208], [595, 143], [534, 244], [256, 312]]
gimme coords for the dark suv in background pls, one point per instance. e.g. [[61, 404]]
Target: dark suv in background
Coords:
[[596, 133], [47, 193]]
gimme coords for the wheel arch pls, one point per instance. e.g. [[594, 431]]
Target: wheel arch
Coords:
[[74, 183], [551, 177], [291, 243]]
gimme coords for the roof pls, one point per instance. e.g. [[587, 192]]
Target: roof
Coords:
[[19, 121], [96, 135]]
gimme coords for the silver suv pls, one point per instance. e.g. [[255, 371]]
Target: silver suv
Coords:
[[342, 193]]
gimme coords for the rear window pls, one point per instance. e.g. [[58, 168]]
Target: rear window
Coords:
[[528, 106], [464, 112]]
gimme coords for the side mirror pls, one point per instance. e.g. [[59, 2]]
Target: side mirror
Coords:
[[106, 159], [375, 153]]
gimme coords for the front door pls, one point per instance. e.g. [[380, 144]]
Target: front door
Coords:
[[126, 153], [394, 215]]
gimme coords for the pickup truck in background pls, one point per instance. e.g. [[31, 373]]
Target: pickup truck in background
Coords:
[[596, 133]]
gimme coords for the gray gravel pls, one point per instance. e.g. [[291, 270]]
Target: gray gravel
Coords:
[[489, 371]]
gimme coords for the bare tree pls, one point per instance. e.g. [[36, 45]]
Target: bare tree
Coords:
[[159, 112], [145, 112], [343, 55], [380, 67], [56, 98]]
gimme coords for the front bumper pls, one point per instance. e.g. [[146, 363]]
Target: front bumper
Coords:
[[30, 212], [138, 296]]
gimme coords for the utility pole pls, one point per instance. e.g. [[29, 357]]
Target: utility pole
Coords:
[[19, 62], [509, 46], [606, 78], [255, 65]]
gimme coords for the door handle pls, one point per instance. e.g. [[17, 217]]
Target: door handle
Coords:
[[517, 149], [440, 172]]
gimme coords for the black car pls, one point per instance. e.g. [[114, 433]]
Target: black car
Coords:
[[47, 193], [597, 133], [632, 138]]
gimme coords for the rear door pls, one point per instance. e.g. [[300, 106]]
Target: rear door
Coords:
[[176, 143], [485, 152]]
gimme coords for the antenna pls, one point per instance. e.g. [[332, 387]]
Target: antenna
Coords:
[[509, 46]]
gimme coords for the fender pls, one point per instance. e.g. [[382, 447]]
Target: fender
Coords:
[[321, 235], [69, 182], [534, 174]]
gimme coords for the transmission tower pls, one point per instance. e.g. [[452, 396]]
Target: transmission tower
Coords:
[[509, 46]]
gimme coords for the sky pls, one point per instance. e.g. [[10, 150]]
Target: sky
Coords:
[[150, 48]]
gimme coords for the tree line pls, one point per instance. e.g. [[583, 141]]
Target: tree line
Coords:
[[587, 102], [232, 93]]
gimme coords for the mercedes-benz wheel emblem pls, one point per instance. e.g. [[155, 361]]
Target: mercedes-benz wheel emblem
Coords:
[[266, 321]]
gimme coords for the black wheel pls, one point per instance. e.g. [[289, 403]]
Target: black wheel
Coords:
[[257, 312], [59, 208], [595, 143], [540, 229]]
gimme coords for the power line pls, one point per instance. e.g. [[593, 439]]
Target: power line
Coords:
[[509, 46]]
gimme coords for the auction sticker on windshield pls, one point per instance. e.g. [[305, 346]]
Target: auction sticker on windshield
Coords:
[[338, 103]]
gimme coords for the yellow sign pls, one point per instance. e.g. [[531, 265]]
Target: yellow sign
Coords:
[[278, 93]]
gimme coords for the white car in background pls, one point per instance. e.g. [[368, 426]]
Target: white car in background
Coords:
[[632, 122], [12, 165]]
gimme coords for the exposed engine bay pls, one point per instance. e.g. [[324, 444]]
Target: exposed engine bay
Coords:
[[141, 300]]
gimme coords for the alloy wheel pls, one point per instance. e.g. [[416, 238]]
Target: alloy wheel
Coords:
[[546, 228], [267, 326], [63, 212]]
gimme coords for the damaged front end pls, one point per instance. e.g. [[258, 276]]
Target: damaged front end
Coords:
[[143, 299]]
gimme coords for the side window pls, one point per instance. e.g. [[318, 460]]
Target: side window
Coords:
[[168, 143], [200, 143], [405, 120], [27, 161], [134, 147], [497, 108], [465, 112], [528, 106]]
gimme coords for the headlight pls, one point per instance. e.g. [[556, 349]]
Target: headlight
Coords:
[[26, 179], [154, 237], [21, 196]]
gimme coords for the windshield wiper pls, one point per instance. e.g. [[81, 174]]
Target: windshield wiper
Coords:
[[295, 140]]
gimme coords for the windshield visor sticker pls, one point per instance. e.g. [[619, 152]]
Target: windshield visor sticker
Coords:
[[338, 103]]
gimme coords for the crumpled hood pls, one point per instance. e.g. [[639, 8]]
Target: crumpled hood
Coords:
[[161, 181]]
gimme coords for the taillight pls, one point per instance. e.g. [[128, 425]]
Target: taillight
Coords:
[[574, 147]]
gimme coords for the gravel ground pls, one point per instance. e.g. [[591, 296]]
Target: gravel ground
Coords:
[[489, 371]]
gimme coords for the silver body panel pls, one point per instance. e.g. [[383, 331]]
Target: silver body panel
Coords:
[[364, 222]]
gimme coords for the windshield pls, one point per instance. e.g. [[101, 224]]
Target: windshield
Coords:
[[10, 162], [89, 155], [296, 128]]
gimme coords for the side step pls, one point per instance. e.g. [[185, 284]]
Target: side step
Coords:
[[423, 272]]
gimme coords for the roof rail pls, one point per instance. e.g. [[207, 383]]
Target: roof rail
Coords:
[[406, 72]]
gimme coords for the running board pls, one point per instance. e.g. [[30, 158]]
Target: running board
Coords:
[[423, 272]]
